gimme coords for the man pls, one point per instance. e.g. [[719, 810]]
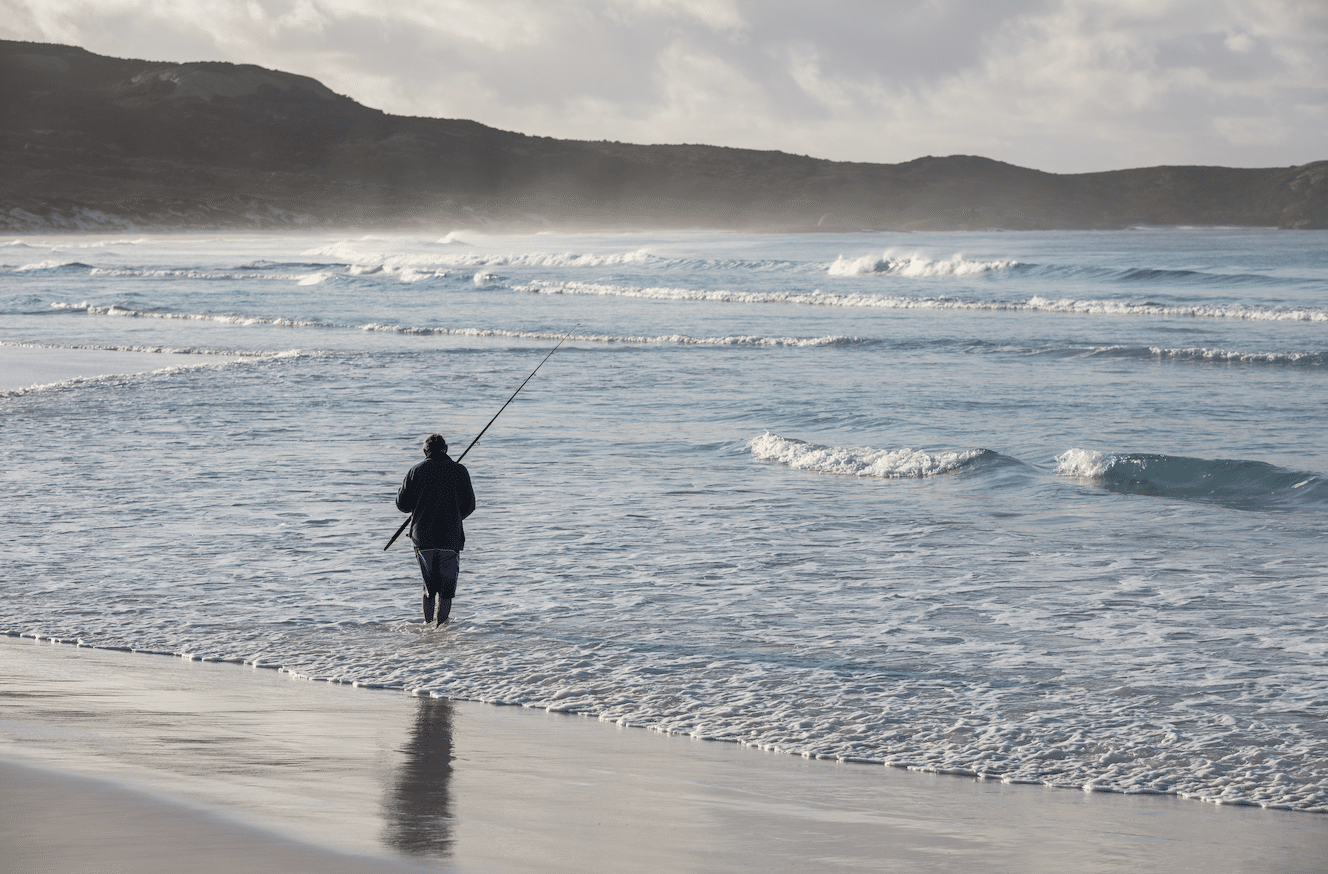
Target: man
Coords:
[[438, 492]]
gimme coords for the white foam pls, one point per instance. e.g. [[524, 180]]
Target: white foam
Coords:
[[813, 298], [159, 273], [410, 274], [872, 301], [137, 347], [664, 339], [914, 266], [47, 265], [1087, 463], [105, 244], [357, 253], [115, 367], [1210, 311], [1235, 357], [864, 462], [123, 312], [376, 327]]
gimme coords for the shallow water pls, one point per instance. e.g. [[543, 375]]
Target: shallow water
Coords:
[[1047, 507]]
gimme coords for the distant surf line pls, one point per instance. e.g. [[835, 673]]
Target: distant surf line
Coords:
[[280, 322], [1310, 358], [1036, 303]]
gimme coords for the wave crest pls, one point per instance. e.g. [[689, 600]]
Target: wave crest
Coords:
[[353, 253], [862, 462], [1241, 485], [122, 312], [876, 301], [425, 331], [914, 266], [53, 267], [1210, 311]]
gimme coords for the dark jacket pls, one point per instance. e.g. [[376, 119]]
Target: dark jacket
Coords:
[[438, 492]]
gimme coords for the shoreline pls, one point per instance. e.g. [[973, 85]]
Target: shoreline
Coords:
[[848, 761], [381, 778]]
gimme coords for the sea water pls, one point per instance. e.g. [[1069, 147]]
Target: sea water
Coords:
[[1040, 507]]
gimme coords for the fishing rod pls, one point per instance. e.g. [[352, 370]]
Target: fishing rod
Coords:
[[491, 421]]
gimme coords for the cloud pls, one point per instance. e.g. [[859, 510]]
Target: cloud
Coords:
[[1065, 85]]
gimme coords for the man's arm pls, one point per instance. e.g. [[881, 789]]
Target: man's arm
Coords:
[[406, 494], [465, 495]]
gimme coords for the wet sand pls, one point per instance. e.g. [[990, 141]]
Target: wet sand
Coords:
[[146, 761], [54, 822]]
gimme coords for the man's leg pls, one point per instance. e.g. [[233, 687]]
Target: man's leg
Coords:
[[449, 568], [428, 604], [439, 568], [428, 595]]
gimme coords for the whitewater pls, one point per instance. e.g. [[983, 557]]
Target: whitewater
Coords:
[[1046, 508]]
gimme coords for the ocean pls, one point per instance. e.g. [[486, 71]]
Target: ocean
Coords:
[[1047, 508]]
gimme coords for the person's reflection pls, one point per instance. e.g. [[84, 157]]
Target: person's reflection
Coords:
[[418, 805]]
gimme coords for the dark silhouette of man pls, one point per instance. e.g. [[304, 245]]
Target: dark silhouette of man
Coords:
[[438, 493]]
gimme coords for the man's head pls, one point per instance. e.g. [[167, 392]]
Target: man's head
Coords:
[[435, 446]]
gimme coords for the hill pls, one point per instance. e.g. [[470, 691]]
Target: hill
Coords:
[[91, 142]]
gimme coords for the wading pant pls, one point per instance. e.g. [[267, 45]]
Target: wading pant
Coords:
[[440, 568]]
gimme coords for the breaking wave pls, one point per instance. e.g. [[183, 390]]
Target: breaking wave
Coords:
[[665, 339], [1166, 277], [228, 358], [1209, 311], [425, 331], [53, 267], [361, 255], [159, 273], [171, 350], [920, 266], [124, 312], [863, 462], [873, 301], [915, 266], [352, 253], [1192, 353], [1241, 485]]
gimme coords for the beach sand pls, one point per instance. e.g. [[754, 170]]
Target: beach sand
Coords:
[[136, 762], [28, 366]]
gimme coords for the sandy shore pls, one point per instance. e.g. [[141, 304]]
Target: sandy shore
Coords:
[[140, 762], [28, 366]]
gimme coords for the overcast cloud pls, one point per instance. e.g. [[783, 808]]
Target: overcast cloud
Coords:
[[1062, 85]]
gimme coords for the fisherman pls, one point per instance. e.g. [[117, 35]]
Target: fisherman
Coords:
[[438, 493]]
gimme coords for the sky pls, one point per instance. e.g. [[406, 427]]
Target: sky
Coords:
[[1061, 85]]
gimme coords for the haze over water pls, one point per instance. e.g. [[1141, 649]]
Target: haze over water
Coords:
[[1045, 507]]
